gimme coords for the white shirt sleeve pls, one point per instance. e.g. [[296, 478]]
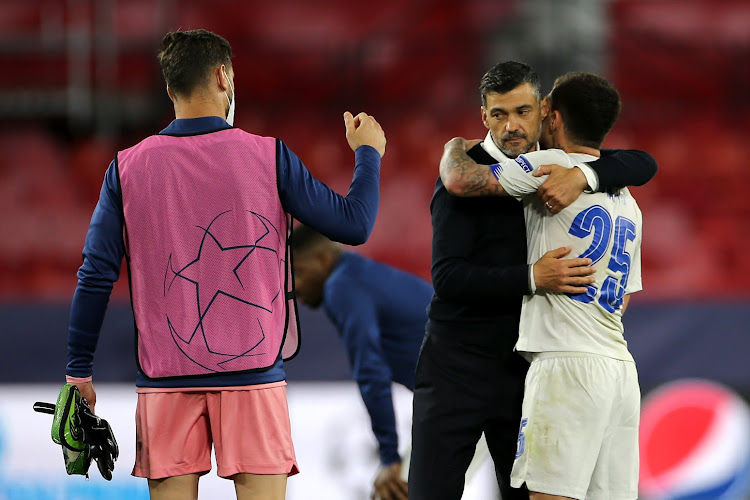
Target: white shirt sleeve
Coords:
[[591, 178], [532, 281], [515, 174]]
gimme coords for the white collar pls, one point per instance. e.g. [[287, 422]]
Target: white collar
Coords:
[[491, 148]]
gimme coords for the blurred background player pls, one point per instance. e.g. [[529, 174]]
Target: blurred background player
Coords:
[[380, 313], [468, 378], [575, 341], [202, 211]]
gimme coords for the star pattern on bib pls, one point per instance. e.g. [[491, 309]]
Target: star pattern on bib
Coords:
[[216, 271]]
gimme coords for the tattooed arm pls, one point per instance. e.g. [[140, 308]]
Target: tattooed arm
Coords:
[[464, 177]]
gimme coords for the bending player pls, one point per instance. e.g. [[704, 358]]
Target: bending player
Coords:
[[578, 434], [379, 313]]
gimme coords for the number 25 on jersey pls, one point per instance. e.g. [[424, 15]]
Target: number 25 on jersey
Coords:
[[597, 219]]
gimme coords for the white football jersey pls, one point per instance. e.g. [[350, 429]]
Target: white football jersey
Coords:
[[604, 227]]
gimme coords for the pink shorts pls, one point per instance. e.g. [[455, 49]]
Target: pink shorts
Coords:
[[249, 429]]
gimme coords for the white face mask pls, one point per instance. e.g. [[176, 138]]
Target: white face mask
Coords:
[[232, 102]]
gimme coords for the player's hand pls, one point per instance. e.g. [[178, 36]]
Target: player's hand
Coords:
[[88, 393], [389, 485], [555, 274], [562, 187], [364, 130]]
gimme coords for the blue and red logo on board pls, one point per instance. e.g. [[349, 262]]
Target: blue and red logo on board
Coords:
[[694, 443]]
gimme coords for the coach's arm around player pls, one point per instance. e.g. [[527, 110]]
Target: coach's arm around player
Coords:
[[615, 169], [464, 177]]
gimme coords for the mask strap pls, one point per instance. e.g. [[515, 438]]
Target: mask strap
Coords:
[[230, 86]]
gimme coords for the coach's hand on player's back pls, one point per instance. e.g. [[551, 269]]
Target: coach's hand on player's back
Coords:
[[555, 274], [364, 130]]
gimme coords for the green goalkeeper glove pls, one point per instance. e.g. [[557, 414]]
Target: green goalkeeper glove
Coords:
[[82, 435]]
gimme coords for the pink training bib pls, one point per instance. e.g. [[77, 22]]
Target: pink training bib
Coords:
[[206, 239]]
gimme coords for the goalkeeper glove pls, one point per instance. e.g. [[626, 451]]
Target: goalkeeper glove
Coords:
[[82, 435]]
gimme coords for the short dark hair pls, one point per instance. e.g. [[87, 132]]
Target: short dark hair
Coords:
[[505, 76], [589, 106], [305, 238], [187, 57]]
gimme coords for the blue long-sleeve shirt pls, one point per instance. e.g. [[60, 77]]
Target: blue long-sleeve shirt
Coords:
[[346, 219], [380, 313]]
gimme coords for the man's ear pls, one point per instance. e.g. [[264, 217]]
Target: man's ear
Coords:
[[555, 120], [222, 78], [545, 107], [170, 94], [484, 117]]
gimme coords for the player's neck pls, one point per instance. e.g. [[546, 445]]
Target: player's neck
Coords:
[[568, 147], [198, 108], [583, 150]]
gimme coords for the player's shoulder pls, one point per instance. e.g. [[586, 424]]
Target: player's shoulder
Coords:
[[132, 154], [625, 195], [580, 157], [534, 159], [549, 153], [632, 202], [249, 136], [143, 143], [348, 285], [619, 202], [350, 270]]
